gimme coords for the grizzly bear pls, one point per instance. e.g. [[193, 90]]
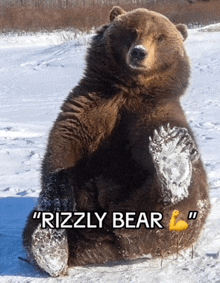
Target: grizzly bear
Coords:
[[121, 144]]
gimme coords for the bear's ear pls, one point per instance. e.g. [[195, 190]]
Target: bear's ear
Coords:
[[115, 12], [183, 30]]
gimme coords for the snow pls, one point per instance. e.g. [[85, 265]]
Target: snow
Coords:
[[36, 72]]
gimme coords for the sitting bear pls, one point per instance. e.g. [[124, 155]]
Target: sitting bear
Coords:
[[121, 143]]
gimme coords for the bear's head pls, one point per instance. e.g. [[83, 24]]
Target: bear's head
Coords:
[[144, 47]]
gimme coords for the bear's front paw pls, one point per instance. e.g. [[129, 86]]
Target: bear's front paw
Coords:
[[173, 152], [56, 204], [50, 250]]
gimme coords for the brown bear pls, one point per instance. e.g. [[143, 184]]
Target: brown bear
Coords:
[[121, 143]]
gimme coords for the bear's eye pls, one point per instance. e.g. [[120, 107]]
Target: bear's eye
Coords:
[[161, 37], [133, 33]]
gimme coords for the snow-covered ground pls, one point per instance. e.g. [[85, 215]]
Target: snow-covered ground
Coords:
[[36, 73]]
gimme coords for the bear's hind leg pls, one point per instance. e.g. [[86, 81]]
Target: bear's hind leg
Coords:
[[46, 247], [173, 152], [50, 250]]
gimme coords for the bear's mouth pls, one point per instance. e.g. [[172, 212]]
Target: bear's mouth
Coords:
[[136, 56], [136, 66]]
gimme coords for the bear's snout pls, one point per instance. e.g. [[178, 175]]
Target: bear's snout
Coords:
[[136, 55]]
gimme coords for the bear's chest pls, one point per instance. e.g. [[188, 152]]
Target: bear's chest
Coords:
[[123, 159]]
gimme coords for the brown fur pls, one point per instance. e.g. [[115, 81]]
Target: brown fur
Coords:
[[98, 154]]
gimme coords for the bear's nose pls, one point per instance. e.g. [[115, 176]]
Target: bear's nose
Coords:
[[138, 52]]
